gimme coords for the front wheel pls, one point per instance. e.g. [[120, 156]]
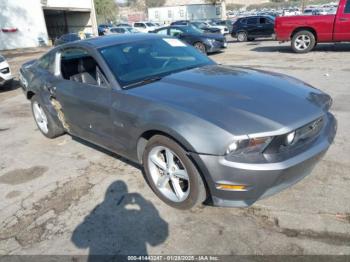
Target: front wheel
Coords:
[[303, 42], [171, 174], [242, 37], [200, 47]]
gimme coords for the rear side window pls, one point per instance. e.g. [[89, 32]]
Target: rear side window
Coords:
[[47, 62], [347, 7]]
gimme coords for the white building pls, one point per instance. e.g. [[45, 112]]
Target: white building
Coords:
[[168, 14], [31, 23]]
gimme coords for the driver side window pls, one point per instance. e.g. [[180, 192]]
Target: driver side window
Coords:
[[77, 65], [163, 31], [175, 32]]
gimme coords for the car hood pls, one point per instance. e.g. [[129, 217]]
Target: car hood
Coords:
[[241, 101]]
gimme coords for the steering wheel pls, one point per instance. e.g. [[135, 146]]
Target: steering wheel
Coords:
[[168, 62]]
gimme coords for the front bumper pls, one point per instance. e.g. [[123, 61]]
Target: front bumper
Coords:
[[261, 180], [216, 46], [5, 73]]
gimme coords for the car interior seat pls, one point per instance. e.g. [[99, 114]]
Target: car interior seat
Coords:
[[87, 71]]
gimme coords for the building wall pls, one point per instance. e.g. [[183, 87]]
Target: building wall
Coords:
[[196, 12], [27, 17], [168, 14], [79, 4]]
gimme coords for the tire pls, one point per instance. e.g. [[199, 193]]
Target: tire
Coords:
[[200, 47], [168, 185], [48, 126], [303, 42], [242, 37]]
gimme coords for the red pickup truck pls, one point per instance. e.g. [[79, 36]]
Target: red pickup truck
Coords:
[[305, 32]]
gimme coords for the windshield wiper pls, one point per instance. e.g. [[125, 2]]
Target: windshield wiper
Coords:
[[144, 81]]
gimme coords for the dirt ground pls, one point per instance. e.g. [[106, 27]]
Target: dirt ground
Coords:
[[64, 196]]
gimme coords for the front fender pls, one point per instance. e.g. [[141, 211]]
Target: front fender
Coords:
[[192, 132]]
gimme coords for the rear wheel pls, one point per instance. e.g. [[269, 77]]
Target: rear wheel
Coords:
[[303, 41], [171, 173], [201, 47], [44, 120], [242, 37]]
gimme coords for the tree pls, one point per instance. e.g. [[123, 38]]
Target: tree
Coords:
[[154, 3], [106, 10]]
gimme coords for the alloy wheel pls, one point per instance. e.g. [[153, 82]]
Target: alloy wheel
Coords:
[[200, 47], [40, 117], [168, 174], [302, 42], [241, 37]]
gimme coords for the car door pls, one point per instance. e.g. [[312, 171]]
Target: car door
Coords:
[[84, 104], [180, 34], [265, 27], [252, 26], [342, 23]]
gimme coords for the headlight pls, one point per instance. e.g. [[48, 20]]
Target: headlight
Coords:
[[252, 145], [289, 138], [2, 59], [211, 41]]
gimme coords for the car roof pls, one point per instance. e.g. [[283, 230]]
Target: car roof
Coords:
[[109, 40], [256, 16]]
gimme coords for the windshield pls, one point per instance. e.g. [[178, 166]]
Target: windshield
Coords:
[[141, 60]]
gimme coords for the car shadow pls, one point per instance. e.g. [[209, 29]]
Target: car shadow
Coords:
[[114, 155], [253, 42], [10, 86], [339, 47], [123, 224], [107, 152]]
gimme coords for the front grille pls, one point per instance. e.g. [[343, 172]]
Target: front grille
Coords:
[[5, 70]]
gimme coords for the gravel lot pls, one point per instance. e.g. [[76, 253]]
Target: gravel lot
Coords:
[[65, 196]]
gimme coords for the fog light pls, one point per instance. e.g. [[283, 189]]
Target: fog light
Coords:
[[290, 138], [231, 187]]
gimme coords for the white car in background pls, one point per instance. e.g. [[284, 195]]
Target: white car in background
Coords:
[[5, 71], [145, 27], [223, 29]]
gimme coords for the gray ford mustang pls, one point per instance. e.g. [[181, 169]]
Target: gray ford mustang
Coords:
[[203, 132]]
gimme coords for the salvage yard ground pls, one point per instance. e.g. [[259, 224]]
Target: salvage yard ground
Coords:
[[65, 196]]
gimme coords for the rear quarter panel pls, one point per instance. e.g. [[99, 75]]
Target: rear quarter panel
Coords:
[[321, 24]]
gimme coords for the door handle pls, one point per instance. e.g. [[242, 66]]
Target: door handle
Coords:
[[343, 19]]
